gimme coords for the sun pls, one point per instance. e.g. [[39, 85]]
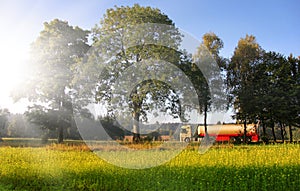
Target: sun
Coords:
[[12, 69]]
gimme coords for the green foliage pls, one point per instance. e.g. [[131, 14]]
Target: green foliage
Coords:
[[130, 40], [276, 90], [264, 85], [213, 43], [239, 74], [209, 81], [54, 54], [228, 168]]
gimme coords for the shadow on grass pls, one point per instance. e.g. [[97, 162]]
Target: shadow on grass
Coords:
[[163, 178]]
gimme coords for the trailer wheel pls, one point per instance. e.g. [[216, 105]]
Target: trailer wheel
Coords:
[[238, 140], [248, 140], [187, 140], [232, 140]]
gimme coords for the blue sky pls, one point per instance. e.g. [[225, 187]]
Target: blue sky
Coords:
[[275, 23]]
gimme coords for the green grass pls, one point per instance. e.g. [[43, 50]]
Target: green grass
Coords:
[[272, 167]]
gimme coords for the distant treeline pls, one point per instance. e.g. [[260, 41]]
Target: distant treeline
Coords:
[[18, 126]]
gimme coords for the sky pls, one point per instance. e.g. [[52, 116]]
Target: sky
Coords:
[[275, 23]]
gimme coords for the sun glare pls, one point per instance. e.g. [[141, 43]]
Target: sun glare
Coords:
[[12, 61]]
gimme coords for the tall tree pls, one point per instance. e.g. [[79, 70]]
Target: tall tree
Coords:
[[294, 94], [53, 55], [274, 95], [127, 38], [215, 65], [239, 74], [281, 93], [271, 91]]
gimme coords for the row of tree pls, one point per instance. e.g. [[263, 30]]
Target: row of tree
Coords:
[[264, 86], [69, 73], [19, 126]]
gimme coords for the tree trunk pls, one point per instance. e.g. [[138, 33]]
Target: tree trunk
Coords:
[[245, 130], [281, 131], [60, 129], [264, 129], [205, 121], [136, 128], [291, 133], [273, 131], [60, 136]]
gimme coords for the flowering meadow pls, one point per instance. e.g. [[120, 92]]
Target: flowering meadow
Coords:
[[253, 167]]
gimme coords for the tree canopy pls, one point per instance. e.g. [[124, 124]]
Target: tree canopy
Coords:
[[135, 48], [53, 56], [263, 85]]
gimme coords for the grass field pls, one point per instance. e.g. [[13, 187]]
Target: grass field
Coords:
[[61, 167]]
